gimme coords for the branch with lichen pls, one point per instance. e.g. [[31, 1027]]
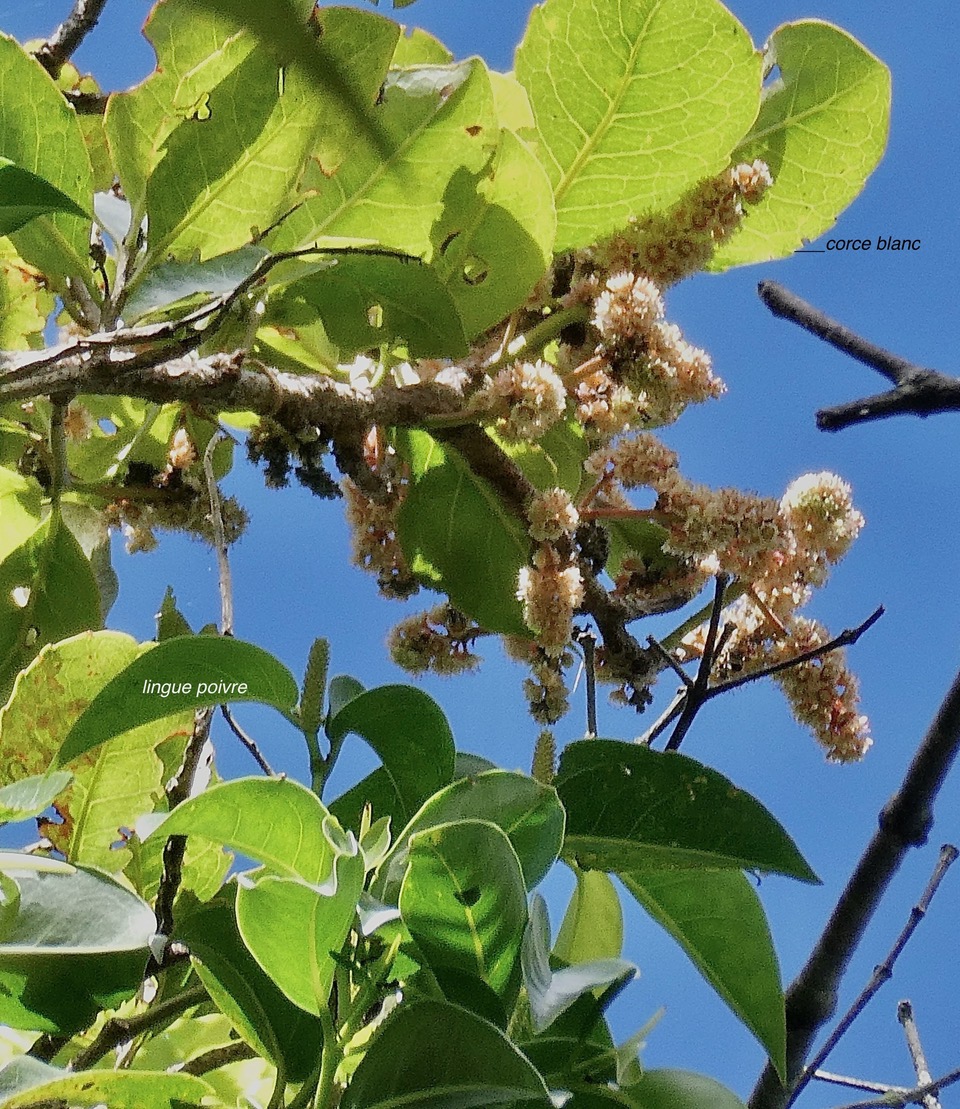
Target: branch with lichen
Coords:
[[60, 46]]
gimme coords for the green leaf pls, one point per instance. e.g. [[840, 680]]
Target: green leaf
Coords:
[[276, 821], [40, 134], [171, 622], [410, 733], [295, 931], [459, 538], [678, 1089], [551, 993], [19, 509], [628, 806], [30, 796], [495, 239], [464, 902], [822, 129], [418, 47], [183, 673], [592, 926], [577, 1046], [24, 196], [525, 810], [635, 101], [314, 687], [26, 302], [263, 1017], [47, 592], [554, 461], [26, 1083], [638, 538], [440, 124], [365, 300], [78, 945], [213, 143], [717, 918], [478, 1065]]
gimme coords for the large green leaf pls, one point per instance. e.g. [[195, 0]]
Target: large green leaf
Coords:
[[187, 672], [678, 1089], [554, 461], [716, 916], [410, 733], [47, 592], [525, 810], [79, 944], [19, 509], [366, 300], [26, 1083], [259, 1011], [577, 1046], [475, 1066], [24, 196], [464, 902], [295, 931], [459, 538], [635, 101], [441, 128], [495, 239], [822, 129], [214, 142], [30, 796], [276, 821], [630, 806], [39, 132], [592, 926]]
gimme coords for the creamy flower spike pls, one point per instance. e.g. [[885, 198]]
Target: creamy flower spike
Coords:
[[529, 398], [551, 590], [551, 515], [821, 513]]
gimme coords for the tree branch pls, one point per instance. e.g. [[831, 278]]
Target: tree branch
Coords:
[[905, 822], [917, 390], [59, 47]]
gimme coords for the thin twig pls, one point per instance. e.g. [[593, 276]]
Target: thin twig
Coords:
[[914, 1046], [219, 538], [883, 971], [248, 741], [217, 1057], [670, 714], [61, 45], [905, 822], [916, 390], [894, 1099], [588, 641], [120, 1030], [858, 1083], [671, 661]]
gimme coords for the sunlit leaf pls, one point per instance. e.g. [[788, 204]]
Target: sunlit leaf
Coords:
[[27, 1082], [592, 926], [24, 196]]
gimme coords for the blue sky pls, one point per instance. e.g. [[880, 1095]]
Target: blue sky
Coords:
[[292, 581]]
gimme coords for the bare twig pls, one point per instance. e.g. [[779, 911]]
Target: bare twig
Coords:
[[858, 1083], [905, 822], [588, 641], [906, 1018], [59, 47], [916, 389], [217, 1057], [248, 741], [883, 971], [120, 1030], [894, 1098], [219, 538]]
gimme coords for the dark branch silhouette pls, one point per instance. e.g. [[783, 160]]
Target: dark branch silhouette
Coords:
[[60, 46], [916, 390]]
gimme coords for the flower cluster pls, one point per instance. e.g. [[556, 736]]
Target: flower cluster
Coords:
[[439, 641], [376, 546], [551, 589], [528, 397], [551, 515]]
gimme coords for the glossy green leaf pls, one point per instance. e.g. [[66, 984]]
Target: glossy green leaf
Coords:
[[24, 196], [78, 945], [276, 821], [525, 810], [187, 672], [635, 101], [678, 1089], [126, 431], [464, 902], [592, 926], [441, 127], [549, 992], [478, 1065], [26, 1083], [261, 1014], [295, 932], [19, 509], [39, 132], [822, 129], [170, 620], [418, 47], [459, 538], [554, 461], [47, 592], [410, 733], [368, 299], [630, 806], [218, 136], [717, 918], [576, 1047], [496, 235], [30, 796]]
